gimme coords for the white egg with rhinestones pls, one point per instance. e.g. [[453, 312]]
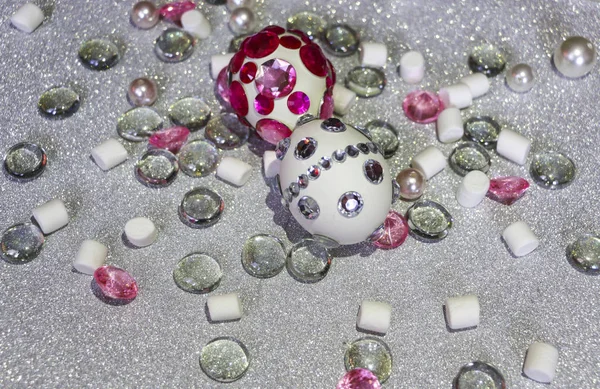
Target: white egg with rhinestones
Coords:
[[335, 181]]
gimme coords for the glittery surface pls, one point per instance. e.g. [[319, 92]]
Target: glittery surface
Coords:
[[54, 332]]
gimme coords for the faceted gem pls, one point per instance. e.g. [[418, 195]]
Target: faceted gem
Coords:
[[295, 189], [262, 44], [325, 163], [308, 261], [305, 148], [156, 168], [139, 123], [311, 24], [371, 354], [479, 375], [173, 11], [365, 81], [483, 130], [275, 29], [226, 131], [350, 204], [341, 40], [99, 54], [201, 207], [298, 103], [170, 139], [59, 102], [238, 98], [395, 231], [263, 256], [333, 125], [282, 148], [352, 151], [507, 190], [312, 57], [339, 155], [487, 59], [275, 79], [309, 208], [469, 156], [248, 72], [422, 106], [222, 90], [306, 118], [236, 62], [174, 45], [584, 254], [314, 172], [198, 273], [290, 42], [198, 158], [373, 171], [359, 379], [21, 243], [115, 283], [385, 136], [224, 359], [326, 108], [552, 170], [25, 161], [272, 131], [363, 148], [428, 221], [190, 112], [263, 105], [302, 181]]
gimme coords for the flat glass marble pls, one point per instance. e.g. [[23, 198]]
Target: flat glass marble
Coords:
[[139, 123], [59, 102], [479, 375], [25, 161], [226, 131], [371, 354], [157, 168], [224, 359], [341, 40], [428, 221], [263, 256], [198, 273], [201, 207], [21, 243], [236, 42], [384, 135], [469, 156], [365, 81], [483, 130], [552, 170], [99, 54], [190, 112], [174, 45], [584, 254], [311, 24], [198, 158], [488, 59], [308, 261]]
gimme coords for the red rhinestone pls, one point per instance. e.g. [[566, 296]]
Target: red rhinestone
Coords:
[[263, 105], [302, 35], [248, 72], [236, 62], [298, 103], [290, 42], [331, 72], [276, 29], [272, 131], [261, 44], [238, 99], [314, 60]]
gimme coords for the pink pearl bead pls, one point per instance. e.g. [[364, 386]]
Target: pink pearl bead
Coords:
[[412, 183], [142, 91], [144, 15]]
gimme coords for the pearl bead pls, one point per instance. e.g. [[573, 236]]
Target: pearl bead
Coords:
[[412, 184], [233, 4], [575, 57], [520, 78], [142, 91], [144, 15], [242, 21]]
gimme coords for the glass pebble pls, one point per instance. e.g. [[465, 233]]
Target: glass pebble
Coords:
[[226, 131], [312, 24], [371, 354], [139, 123], [21, 243], [428, 221], [224, 359], [308, 261], [59, 102], [198, 273], [263, 256], [384, 135], [99, 54], [479, 375], [201, 207], [157, 168], [584, 254], [190, 112], [469, 156], [483, 130], [174, 45], [365, 81], [198, 158], [341, 40], [25, 161], [236, 42], [488, 59], [552, 170]]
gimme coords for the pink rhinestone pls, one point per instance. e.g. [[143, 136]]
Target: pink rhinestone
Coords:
[[171, 138], [422, 106], [359, 379], [238, 99], [248, 72], [298, 103], [312, 57], [261, 44], [276, 29], [115, 283], [173, 11], [326, 110], [263, 105], [507, 190], [222, 89], [276, 78], [272, 131], [290, 42], [395, 231]]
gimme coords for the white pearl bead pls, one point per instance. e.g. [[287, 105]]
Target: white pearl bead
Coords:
[[242, 21], [575, 57], [520, 78], [144, 15], [412, 183]]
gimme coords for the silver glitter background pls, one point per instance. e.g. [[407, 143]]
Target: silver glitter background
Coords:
[[55, 333]]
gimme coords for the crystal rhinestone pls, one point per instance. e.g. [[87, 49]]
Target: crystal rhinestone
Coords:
[[350, 204], [236, 43], [248, 72], [326, 108], [488, 59], [395, 231], [333, 125], [260, 45], [302, 181], [422, 106], [156, 168], [170, 139], [263, 256], [25, 161], [275, 78], [311, 24], [198, 158], [365, 81], [287, 194], [428, 221], [483, 130], [201, 207], [314, 172], [238, 98], [222, 92], [226, 131], [377, 234], [308, 261], [305, 148], [99, 54], [325, 163], [373, 147], [385, 136], [290, 42], [21, 243], [294, 189], [312, 57], [552, 170], [224, 359], [479, 375], [507, 190], [371, 354], [173, 11], [363, 131], [339, 155], [272, 130], [115, 283], [352, 151], [395, 191], [282, 148], [308, 207], [139, 123], [198, 273], [363, 148], [584, 254], [469, 156], [373, 171], [263, 105], [306, 118], [190, 112], [298, 103], [341, 40], [59, 102], [174, 45], [359, 379]]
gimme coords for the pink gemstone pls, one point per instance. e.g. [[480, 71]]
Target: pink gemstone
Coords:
[[171, 138], [507, 190], [298, 103], [290, 42], [422, 106], [314, 60], [222, 89], [263, 105], [359, 379], [238, 99], [272, 131], [276, 29], [173, 11], [236, 62], [276, 78], [115, 283], [248, 72], [261, 44], [395, 231], [326, 110]]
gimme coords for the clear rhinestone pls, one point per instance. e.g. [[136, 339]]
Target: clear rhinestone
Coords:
[[305, 148], [314, 172], [483, 130], [488, 59], [365, 81], [25, 161], [201, 207], [371, 354], [350, 204], [552, 170], [373, 171], [157, 168], [303, 181], [373, 147], [21, 243], [584, 254], [282, 148], [288, 196], [193, 113], [226, 131], [469, 156], [341, 40], [479, 375], [325, 163], [263, 256], [306, 118], [198, 158], [377, 234], [294, 189], [352, 151], [385, 136], [174, 45], [333, 125], [308, 207], [224, 359], [308, 261], [428, 221], [139, 123], [363, 148], [198, 273], [339, 155]]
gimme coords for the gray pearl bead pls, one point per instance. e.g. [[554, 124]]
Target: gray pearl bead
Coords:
[[233, 4], [142, 92], [242, 21], [575, 57], [411, 183], [144, 15], [520, 78]]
